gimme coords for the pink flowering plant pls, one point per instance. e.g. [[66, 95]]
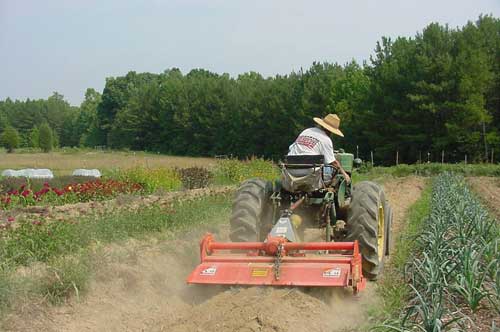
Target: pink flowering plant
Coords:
[[70, 193]]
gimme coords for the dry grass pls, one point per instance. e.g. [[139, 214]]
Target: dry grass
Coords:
[[62, 163]]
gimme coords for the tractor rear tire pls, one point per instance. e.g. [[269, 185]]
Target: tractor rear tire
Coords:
[[251, 217], [368, 201]]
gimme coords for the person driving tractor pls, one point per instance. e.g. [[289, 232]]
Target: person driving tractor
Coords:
[[316, 141]]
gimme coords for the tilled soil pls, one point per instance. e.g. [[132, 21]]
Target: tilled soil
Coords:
[[488, 189], [141, 287]]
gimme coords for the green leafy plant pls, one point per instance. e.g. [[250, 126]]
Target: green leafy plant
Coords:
[[151, 179], [231, 171], [470, 279]]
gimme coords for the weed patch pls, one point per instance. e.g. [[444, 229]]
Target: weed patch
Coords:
[[66, 276], [151, 179], [233, 171]]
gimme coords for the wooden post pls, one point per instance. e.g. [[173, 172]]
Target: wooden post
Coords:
[[465, 159], [397, 157], [357, 151], [442, 156], [485, 145], [428, 157], [492, 155], [420, 156], [371, 153]]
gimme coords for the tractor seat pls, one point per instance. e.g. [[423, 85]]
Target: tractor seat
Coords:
[[304, 161], [302, 173]]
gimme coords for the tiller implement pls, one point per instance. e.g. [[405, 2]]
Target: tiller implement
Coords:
[[277, 262]]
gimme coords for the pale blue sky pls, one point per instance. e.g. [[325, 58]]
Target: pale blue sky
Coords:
[[68, 46]]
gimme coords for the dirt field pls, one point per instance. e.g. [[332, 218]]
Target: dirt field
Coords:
[[64, 163], [141, 287], [488, 189]]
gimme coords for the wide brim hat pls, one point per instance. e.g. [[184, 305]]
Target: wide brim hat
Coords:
[[331, 122]]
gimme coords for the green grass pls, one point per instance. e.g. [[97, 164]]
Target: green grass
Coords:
[[393, 289], [31, 242], [65, 276], [66, 249]]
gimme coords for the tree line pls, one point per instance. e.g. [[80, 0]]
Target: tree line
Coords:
[[437, 91]]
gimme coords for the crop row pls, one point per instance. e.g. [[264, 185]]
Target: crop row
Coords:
[[72, 193], [454, 271]]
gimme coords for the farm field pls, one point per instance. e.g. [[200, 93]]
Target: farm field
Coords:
[[63, 163], [140, 285], [120, 264]]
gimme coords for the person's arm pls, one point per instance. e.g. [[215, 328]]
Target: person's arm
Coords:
[[330, 160], [337, 165]]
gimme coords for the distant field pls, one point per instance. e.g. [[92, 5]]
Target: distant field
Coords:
[[63, 163]]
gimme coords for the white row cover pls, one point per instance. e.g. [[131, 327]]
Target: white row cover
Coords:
[[40, 173], [87, 172], [43, 173]]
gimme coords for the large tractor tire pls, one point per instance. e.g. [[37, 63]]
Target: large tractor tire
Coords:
[[369, 220], [251, 217]]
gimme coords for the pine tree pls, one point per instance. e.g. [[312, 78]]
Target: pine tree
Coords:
[[34, 138], [45, 137]]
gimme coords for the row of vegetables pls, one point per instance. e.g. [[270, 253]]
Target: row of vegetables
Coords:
[[456, 270]]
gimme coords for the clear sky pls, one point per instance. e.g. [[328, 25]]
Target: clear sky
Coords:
[[70, 45]]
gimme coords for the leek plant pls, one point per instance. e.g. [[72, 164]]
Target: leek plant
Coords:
[[455, 264]]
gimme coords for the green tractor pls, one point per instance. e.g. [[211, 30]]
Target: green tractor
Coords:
[[312, 195]]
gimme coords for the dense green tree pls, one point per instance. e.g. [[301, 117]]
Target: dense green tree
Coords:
[[34, 137], [86, 127], [10, 138], [437, 91], [46, 142]]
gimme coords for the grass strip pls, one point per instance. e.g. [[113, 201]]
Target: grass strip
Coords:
[[392, 288], [64, 249]]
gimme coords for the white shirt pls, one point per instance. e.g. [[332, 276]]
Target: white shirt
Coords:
[[313, 141]]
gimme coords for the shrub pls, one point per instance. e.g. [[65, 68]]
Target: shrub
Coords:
[[10, 139], [194, 177]]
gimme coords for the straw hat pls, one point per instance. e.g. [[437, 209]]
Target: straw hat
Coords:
[[331, 122]]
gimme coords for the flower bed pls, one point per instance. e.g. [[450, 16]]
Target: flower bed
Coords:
[[25, 195]]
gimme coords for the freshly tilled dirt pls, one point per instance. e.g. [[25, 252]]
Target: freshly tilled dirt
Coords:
[[488, 189], [141, 287]]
